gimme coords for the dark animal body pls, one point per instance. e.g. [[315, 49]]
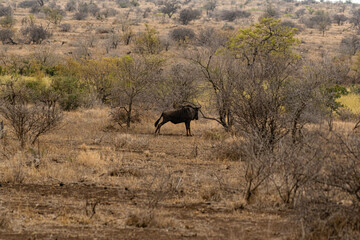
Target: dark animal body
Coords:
[[185, 114]]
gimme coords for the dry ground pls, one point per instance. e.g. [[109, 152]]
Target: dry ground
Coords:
[[96, 181]]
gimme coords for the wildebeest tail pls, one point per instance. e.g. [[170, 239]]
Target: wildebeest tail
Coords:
[[156, 123]]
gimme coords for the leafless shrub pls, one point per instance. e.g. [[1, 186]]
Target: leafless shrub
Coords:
[[6, 36], [80, 16], [36, 9], [178, 87], [119, 116], [109, 12], [350, 45], [182, 34], [330, 205], [36, 34], [169, 7], [138, 75], [28, 4], [339, 19], [231, 15], [291, 24], [296, 166], [94, 10], [5, 11], [127, 3], [28, 120], [300, 12], [104, 30], [146, 12], [321, 218], [343, 173], [257, 167], [112, 42], [187, 15], [271, 12], [65, 27], [70, 6], [355, 19]]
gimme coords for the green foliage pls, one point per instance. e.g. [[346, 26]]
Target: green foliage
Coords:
[[333, 94], [53, 15], [268, 37], [356, 65], [148, 41], [7, 21], [127, 3], [70, 91]]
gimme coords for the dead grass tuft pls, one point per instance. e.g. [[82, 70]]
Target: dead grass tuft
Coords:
[[130, 142], [211, 193], [5, 222], [229, 149]]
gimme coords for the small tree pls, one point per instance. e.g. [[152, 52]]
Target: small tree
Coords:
[[54, 16], [148, 41], [270, 12], [182, 34], [300, 12], [231, 15], [339, 19], [29, 114], [170, 7], [323, 21], [94, 10], [266, 61], [350, 45], [180, 85], [355, 19], [6, 36], [36, 34], [210, 6], [97, 75], [5, 11], [187, 15], [70, 6], [134, 76], [7, 22]]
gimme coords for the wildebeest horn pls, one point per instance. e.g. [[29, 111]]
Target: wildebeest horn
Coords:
[[186, 103]]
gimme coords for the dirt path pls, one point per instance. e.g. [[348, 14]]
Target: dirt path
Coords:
[[59, 212]]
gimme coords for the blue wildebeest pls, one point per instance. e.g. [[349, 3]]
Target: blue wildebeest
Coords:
[[184, 114]]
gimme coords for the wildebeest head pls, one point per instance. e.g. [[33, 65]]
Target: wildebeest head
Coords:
[[192, 111]]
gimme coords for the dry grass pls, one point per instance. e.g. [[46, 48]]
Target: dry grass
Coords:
[[126, 180], [91, 179], [351, 101]]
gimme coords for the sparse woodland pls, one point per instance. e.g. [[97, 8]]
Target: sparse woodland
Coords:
[[275, 152]]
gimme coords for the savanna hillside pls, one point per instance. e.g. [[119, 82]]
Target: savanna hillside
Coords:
[[274, 154]]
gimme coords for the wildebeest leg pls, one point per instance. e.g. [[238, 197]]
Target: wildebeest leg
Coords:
[[189, 129], [159, 126], [188, 132]]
